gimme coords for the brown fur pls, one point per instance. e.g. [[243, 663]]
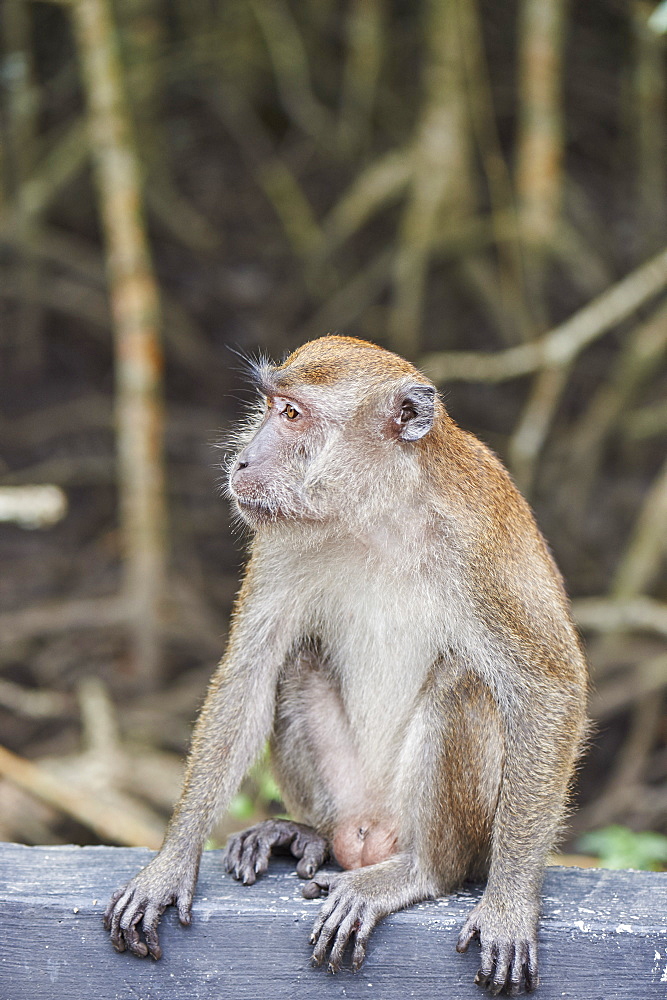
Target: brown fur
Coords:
[[403, 637]]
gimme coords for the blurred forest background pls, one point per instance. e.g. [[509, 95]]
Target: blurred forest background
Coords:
[[480, 186]]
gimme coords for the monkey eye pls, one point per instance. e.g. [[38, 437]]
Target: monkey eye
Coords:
[[291, 412], [407, 413]]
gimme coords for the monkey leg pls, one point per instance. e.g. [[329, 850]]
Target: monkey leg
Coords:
[[356, 901], [248, 852], [467, 766]]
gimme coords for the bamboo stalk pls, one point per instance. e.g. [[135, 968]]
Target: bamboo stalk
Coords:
[[135, 309]]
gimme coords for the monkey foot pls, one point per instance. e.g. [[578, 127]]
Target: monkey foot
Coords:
[[346, 912], [509, 961], [248, 852]]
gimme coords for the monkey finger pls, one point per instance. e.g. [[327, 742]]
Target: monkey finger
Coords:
[[517, 968], [502, 968], [488, 961], [326, 910], [131, 917], [117, 939], [318, 886], [262, 855], [149, 928], [184, 907], [312, 890], [111, 906], [482, 978], [532, 977], [361, 941]]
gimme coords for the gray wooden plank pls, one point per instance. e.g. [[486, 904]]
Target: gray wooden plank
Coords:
[[603, 936]]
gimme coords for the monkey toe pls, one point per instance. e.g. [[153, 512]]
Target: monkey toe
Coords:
[[315, 854], [319, 886], [248, 853], [233, 851]]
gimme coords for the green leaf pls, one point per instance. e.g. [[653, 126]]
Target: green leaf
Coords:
[[241, 807], [619, 847]]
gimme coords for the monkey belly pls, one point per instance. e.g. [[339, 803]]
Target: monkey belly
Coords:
[[357, 843]]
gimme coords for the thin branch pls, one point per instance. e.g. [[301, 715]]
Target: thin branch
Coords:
[[649, 108], [645, 552], [607, 614], [63, 616], [616, 695], [504, 217], [55, 170], [380, 183], [646, 422], [34, 703], [290, 63], [562, 344], [641, 354], [529, 435], [271, 173], [32, 506]]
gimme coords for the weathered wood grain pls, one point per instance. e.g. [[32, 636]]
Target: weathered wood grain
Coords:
[[603, 937]]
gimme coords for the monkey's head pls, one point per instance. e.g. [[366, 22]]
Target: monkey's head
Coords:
[[339, 425]]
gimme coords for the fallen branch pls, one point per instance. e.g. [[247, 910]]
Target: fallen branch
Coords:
[[107, 821]]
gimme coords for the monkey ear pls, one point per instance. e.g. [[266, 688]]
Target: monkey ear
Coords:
[[415, 412]]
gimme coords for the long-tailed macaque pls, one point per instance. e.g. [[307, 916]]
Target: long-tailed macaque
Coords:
[[402, 636]]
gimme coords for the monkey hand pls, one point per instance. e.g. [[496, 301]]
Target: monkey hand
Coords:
[[348, 910], [248, 852], [509, 947], [139, 905]]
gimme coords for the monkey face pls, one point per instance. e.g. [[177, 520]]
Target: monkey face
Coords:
[[266, 479], [339, 421]]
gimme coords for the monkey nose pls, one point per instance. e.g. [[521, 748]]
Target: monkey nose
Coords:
[[243, 460]]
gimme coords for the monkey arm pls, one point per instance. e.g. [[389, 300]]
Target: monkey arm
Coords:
[[230, 733], [542, 737]]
